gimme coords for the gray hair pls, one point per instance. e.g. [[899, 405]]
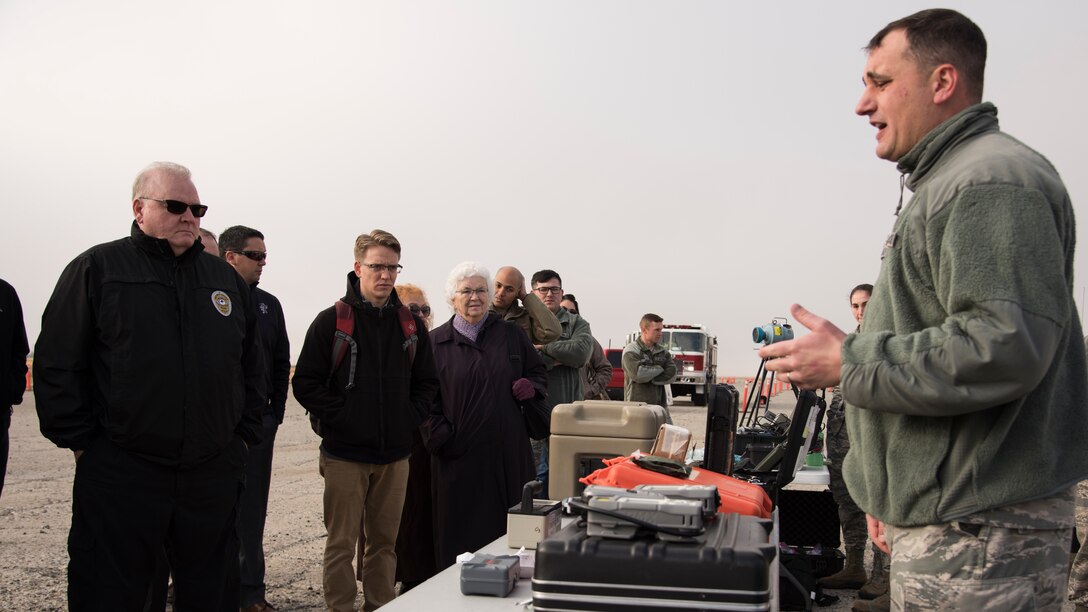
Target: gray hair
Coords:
[[463, 270], [154, 168]]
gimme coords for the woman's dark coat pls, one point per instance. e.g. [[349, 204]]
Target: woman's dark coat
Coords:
[[476, 433]]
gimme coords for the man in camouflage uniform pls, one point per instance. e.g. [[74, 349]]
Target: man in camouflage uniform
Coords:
[[1078, 573], [854, 531], [967, 384]]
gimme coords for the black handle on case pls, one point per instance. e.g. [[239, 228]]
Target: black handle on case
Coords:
[[530, 489]]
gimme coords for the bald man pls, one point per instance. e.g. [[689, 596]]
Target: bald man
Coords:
[[536, 319]]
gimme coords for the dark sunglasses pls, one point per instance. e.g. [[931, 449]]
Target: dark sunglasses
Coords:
[[254, 255], [416, 309], [177, 207]]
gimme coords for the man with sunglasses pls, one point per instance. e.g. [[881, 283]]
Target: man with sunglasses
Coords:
[[148, 368], [535, 319], [244, 249]]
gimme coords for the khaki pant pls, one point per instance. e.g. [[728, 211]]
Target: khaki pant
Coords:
[[349, 488]]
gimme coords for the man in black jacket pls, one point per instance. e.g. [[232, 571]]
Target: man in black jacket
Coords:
[[147, 367], [13, 350], [368, 404], [244, 249]]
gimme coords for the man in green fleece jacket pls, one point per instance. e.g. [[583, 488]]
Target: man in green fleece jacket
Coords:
[[564, 357], [966, 388]]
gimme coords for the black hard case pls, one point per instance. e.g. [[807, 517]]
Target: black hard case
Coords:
[[726, 568], [721, 423]]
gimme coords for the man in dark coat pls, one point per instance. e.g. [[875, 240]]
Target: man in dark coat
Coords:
[[369, 405], [148, 368], [13, 350], [244, 249]]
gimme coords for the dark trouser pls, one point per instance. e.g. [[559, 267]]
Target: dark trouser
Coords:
[[253, 508], [855, 529], [126, 509], [5, 423]]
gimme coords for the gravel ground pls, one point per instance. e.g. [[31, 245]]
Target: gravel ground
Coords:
[[35, 513]]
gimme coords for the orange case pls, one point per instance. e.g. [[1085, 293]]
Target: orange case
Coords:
[[736, 495]]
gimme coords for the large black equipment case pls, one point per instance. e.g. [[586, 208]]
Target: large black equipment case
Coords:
[[728, 567], [798, 439], [721, 423]]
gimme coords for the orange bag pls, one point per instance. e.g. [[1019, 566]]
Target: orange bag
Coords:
[[736, 495]]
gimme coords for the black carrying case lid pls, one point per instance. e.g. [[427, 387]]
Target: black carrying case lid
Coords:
[[725, 567]]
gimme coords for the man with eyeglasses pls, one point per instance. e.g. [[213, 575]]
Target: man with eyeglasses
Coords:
[[564, 357], [244, 249], [536, 319], [148, 368], [369, 404]]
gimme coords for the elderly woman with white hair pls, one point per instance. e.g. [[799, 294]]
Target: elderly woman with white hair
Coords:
[[487, 370]]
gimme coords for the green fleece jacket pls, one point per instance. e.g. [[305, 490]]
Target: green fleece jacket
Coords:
[[564, 358], [966, 388]]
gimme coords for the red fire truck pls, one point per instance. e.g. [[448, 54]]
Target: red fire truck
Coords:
[[696, 354]]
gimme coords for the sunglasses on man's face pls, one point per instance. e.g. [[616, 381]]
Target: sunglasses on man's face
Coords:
[[254, 255], [177, 207], [418, 310]]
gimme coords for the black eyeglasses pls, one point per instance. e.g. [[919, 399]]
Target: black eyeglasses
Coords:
[[547, 290], [177, 207], [254, 255], [416, 309]]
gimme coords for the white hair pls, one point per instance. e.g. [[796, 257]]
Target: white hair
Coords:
[[154, 168], [463, 270]]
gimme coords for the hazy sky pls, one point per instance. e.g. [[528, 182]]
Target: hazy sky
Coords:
[[700, 160]]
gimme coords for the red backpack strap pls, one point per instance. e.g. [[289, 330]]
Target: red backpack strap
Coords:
[[343, 340], [408, 325]]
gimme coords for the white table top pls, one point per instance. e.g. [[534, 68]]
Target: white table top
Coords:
[[443, 592]]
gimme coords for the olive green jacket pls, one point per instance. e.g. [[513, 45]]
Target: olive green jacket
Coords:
[[967, 388], [564, 358], [646, 371]]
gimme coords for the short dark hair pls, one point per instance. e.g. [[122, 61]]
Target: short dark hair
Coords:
[[234, 239], [943, 36], [648, 318], [569, 297], [866, 287], [544, 276]]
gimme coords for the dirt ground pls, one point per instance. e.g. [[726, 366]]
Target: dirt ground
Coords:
[[35, 514]]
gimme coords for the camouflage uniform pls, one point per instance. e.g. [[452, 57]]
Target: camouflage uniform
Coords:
[[1078, 574], [855, 531], [1009, 558]]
